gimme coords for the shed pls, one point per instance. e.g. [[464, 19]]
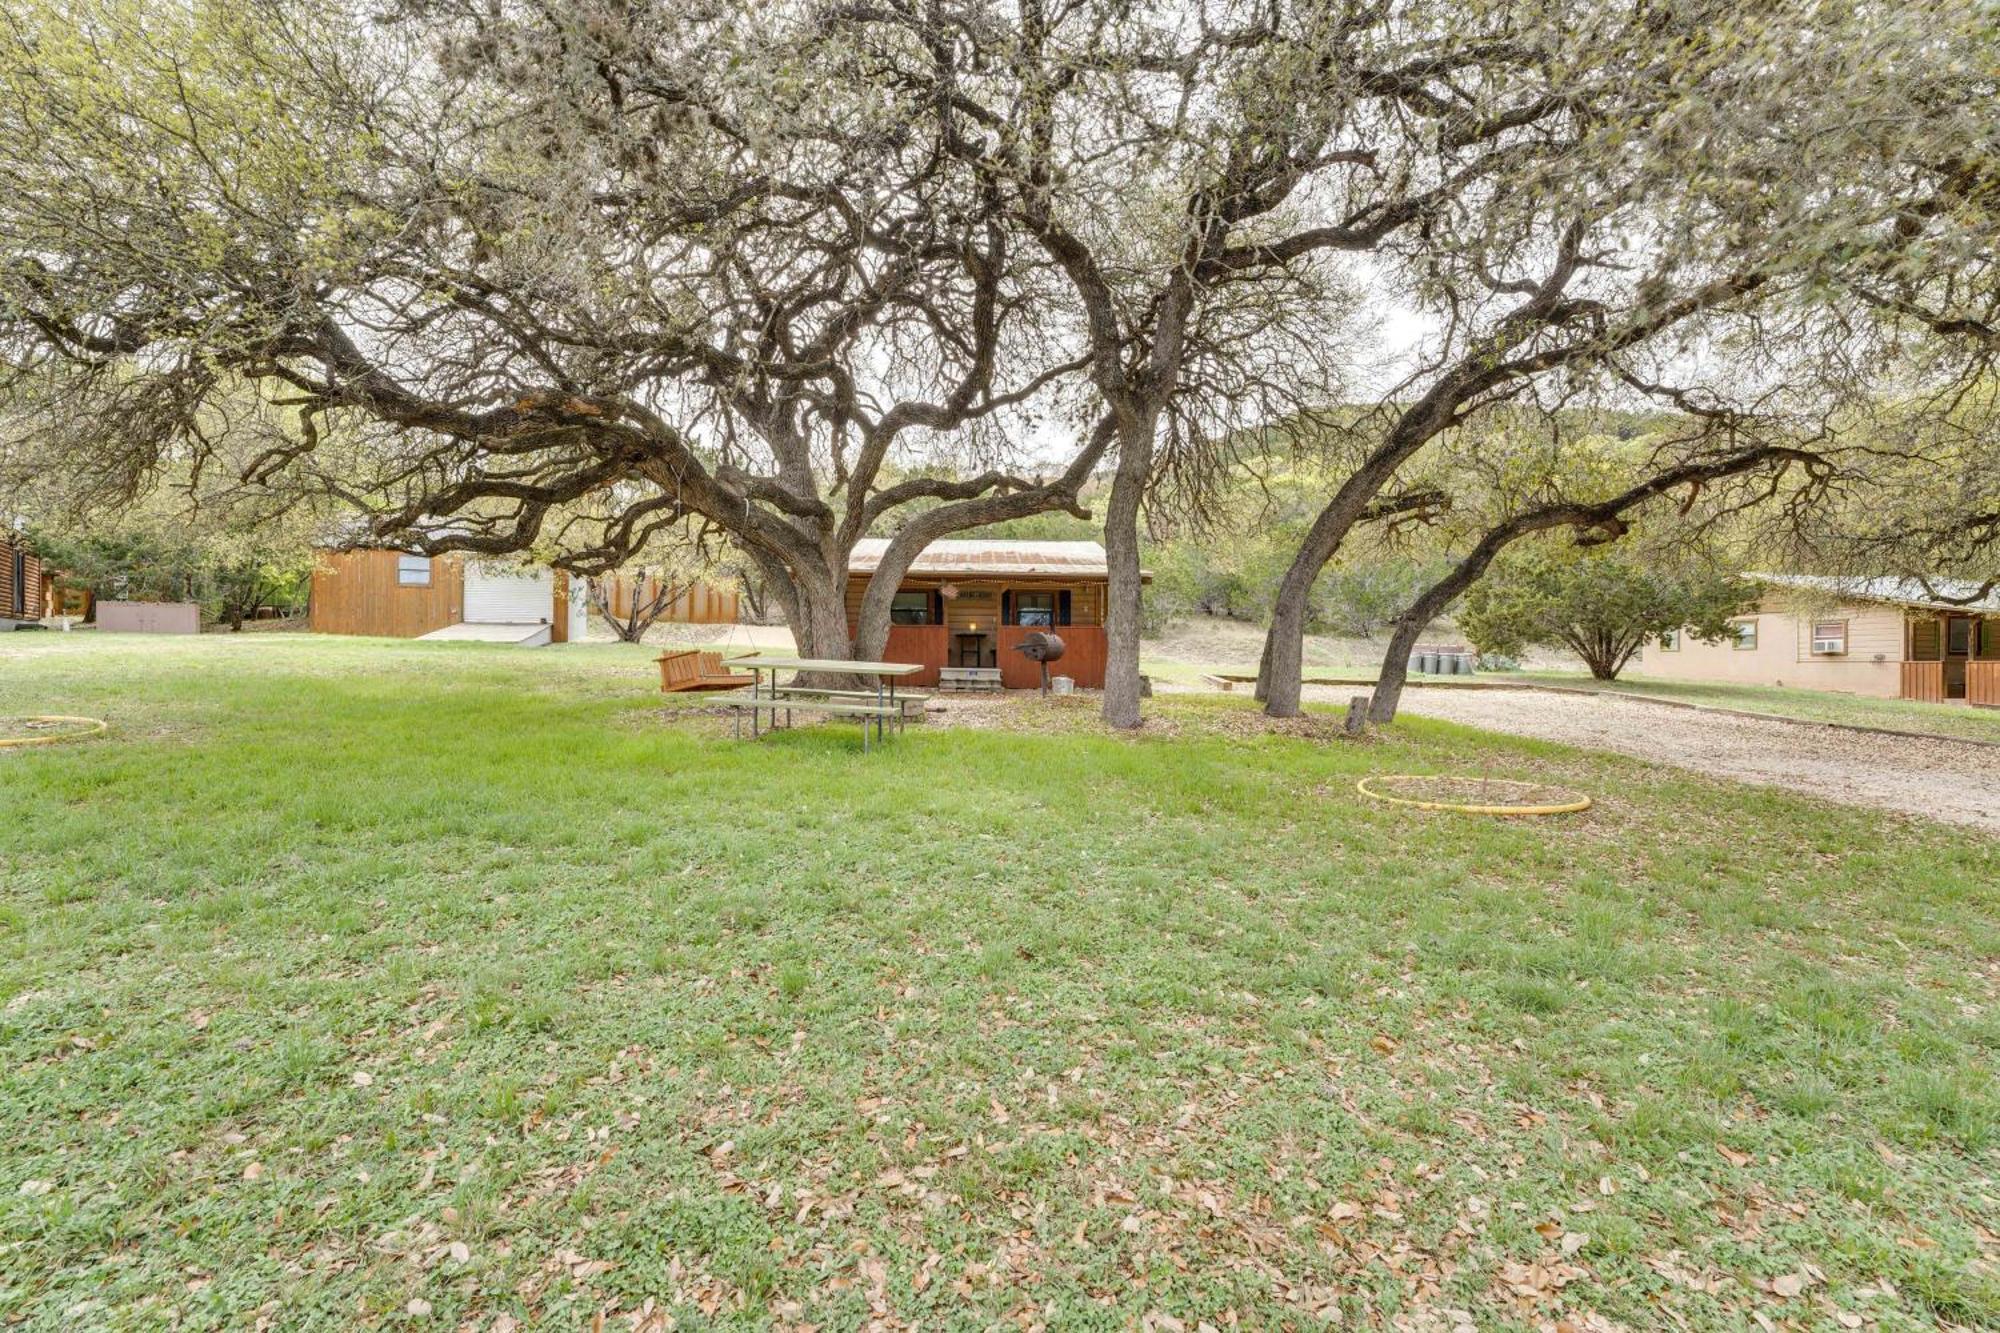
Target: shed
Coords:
[[397, 595]]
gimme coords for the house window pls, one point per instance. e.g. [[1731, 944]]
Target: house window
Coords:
[[1958, 637], [1670, 642], [1746, 634], [413, 571], [1829, 636], [1035, 608], [910, 608]]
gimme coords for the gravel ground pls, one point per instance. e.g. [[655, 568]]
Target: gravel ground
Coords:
[[1933, 778]]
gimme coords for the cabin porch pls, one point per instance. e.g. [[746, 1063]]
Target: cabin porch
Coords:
[[1952, 656]]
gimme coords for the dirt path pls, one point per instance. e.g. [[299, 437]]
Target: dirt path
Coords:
[[1933, 778]]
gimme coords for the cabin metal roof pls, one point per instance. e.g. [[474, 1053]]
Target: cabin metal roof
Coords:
[[1889, 590], [973, 559]]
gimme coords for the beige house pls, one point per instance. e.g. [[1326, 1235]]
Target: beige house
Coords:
[[1890, 638]]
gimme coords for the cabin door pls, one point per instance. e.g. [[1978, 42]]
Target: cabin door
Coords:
[[1958, 637]]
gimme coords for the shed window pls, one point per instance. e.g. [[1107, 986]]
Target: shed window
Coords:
[[1746, 634], [1670, 642], [1829, 636], [413, 571], [910, 608], [1035, 608]]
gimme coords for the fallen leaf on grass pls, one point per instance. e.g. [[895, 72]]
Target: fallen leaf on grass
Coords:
[[1790, 1285], [1733, 1157]]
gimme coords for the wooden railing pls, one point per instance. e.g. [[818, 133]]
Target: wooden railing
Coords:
[[929, 646], [1924, 680], [1982, 683], [926, 645], [1083, 658]]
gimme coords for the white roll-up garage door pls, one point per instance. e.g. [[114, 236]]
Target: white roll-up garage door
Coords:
[[502, 595]]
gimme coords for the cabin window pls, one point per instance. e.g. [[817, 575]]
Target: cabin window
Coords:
[[413, 571], [1958, 637], [1035, 608], [1746, 634], [1670, 642], [1829, 636], [910, 608]]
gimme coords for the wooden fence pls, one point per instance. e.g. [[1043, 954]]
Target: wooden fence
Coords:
[[697, 604]]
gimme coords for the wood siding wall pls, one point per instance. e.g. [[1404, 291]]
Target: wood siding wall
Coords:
[[356, 592], [22, 601], [698, 605]]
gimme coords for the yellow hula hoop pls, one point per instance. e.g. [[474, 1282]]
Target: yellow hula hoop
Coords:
[[1504, 811], [92, 726]]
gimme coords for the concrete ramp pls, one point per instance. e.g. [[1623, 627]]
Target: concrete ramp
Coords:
[[520, 633]]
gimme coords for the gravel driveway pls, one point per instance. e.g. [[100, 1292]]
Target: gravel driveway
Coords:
[[1933, 778]]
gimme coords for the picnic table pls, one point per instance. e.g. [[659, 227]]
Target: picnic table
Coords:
[[771, 697]]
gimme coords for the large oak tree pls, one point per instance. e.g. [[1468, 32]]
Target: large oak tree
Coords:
[[558, 277]]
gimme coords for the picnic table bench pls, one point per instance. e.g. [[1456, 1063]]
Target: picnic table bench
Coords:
[[881, 706], [911, 701]]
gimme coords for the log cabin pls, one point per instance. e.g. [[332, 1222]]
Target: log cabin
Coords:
[[966, 605], [21, 589], [1885, 637]]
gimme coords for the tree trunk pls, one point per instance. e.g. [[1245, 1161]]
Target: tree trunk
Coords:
[[1121, 554], [1430, 604], [819, 627], [1395, 672], [1281, 670]]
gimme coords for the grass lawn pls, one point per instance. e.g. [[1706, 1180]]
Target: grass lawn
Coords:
[[352, 984], [1952, 719]]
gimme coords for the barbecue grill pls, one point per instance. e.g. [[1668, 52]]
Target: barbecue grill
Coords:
[[1044, 648]]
